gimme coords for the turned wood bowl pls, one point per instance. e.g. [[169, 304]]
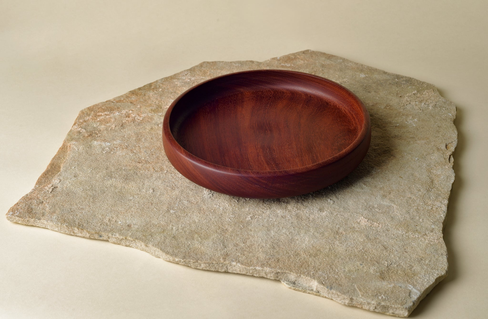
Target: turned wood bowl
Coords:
[[266, 133]]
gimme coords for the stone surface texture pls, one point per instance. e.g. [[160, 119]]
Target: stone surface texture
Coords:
[[373, 240]]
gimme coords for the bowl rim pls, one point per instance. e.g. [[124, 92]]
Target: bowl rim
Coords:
[[361, 136]]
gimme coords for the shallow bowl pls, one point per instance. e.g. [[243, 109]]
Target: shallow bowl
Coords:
[[266, 133]]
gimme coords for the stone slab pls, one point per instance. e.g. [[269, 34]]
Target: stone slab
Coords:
[[373, 240]]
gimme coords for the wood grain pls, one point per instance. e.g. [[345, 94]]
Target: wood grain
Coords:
[[266, 133]]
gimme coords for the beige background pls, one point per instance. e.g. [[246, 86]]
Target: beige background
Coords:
[[57, 57]]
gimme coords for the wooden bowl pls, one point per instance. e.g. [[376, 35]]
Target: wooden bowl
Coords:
[[266, 133]]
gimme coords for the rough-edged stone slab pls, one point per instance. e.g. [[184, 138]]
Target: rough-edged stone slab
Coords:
[[374, 240]]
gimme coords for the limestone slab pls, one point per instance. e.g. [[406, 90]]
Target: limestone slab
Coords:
[[373, 240]]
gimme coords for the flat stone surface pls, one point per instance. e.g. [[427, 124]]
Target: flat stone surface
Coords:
[[373, 240]]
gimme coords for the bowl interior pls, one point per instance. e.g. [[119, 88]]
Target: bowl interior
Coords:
[[266, 121]]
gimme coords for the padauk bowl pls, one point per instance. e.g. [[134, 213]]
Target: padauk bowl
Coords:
[[266, 133]]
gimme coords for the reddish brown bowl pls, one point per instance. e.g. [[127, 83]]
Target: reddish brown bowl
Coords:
[[266, 133]]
